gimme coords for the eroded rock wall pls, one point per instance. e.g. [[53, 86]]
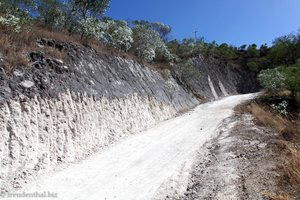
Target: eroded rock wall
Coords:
[[40, 133], [219, 78], [57, 112]]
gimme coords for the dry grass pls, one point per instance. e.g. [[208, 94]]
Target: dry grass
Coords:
[[14, 47], [290, 144], [56, 54], [276, 197], [292, 167], [289, 130], [267, 118]]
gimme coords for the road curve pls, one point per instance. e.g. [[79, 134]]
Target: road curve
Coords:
[[137, 167]]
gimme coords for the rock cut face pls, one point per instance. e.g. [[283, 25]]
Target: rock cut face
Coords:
[[56, 112], [59, 112]]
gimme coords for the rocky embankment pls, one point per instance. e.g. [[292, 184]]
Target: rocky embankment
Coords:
[[56, 112]]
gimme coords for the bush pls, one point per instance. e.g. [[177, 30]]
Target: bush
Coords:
[[253, 66], [252, 51], [285, 50], [163, 53], [52, 13], [292, 77], [225, 51], [148, 44], [16, 20], [91, 28], [187, 71], [119, 35], [272, 80], [12, 22]]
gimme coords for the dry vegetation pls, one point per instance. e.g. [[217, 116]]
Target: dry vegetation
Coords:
[[290, 144], [15, 47], [277, 197]]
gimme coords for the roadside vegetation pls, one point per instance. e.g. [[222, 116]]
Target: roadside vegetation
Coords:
[[279, 107], [281, 114]]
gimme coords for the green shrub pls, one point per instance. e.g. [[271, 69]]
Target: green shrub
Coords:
[[16, 20], [91, 28], [149, 45], [272, 80], [119, 35], [292, 78], [253, 66], [252, 51], [187, 71]]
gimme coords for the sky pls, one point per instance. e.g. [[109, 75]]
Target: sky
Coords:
[[235, 22]]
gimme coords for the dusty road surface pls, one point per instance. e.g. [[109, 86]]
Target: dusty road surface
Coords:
[[143, 166]]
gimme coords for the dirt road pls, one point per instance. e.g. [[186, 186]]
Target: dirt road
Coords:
[[143, 166]]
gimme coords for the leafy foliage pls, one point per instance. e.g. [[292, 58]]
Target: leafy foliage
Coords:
[[285, 50], [292, 77], [187, 71], [92, 28], [272, 80], [148, 44], [190, 47], [16, 20], [16, 5], [119, 35], [252, 51], [163, 29], [90, 8], [253, 66], [12, 22], [52, 12]]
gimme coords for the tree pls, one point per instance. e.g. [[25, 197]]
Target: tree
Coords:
[[91, 8], [119, 35], [163, 29], [191, 47], [226, 52], [252, 51], [264, 50], [92, 28], [187, 71], [292, 77], [13, 5], [285, 50], [89, 11], [148, 44], [243, 47], [11, 22], [253, 66], [174, 46], [51, 12], [15, 14]]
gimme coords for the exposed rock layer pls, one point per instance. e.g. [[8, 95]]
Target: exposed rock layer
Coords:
[[57, 113], [219, 78]]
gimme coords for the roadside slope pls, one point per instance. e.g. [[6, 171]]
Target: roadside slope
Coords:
[[138, 167]]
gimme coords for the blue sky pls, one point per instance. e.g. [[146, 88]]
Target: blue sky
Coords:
[[235, 22]]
